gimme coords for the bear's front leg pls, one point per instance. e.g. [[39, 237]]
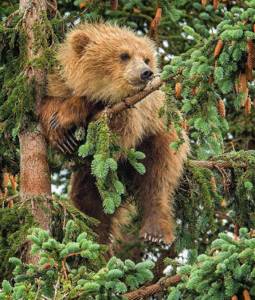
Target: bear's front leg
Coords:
[[59, 119], [156, 187]]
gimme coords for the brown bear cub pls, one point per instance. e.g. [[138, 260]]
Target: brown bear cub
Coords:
[[102, 64]]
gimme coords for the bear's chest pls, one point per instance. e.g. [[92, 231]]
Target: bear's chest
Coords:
[[133, 125], [129, 127]]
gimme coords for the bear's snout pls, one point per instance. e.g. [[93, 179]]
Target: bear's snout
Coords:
[[146, 74]]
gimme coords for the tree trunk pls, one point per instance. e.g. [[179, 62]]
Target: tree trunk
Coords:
[[35, 182], [34, 175]]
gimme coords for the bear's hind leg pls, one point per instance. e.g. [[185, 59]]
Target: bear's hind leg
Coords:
[[155, 188], [86, 197]]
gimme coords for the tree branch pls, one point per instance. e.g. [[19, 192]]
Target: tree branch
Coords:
[[217, 164], [153, 289], [129, 102]]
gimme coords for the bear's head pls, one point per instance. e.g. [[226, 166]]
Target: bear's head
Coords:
[[105, 62]]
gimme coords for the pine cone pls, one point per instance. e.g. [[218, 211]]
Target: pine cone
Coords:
[[114, 4], [248, 72], [184, 125], [213, 184], [243, 87], [178, 89], [13, 182], [215, 4], [218, 48], [221, 108], [246, 295], [6, 179], [247, 106], [155, 22]]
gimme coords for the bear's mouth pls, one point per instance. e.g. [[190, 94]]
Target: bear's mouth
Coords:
[[137, 84]]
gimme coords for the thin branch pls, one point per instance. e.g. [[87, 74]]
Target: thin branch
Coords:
[[129, 102], [153, 289], [216, 164]]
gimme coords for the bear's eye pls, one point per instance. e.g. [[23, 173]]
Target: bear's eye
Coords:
[[147, 61], [124, 56]]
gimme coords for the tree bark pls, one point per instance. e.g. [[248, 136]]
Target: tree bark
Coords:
[[147, 291], [35, 176], [35, 182], [217, 164]]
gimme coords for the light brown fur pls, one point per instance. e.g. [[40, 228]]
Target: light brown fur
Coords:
[[91, 76]]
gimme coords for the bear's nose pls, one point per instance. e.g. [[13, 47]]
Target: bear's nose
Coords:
[[146, 74]]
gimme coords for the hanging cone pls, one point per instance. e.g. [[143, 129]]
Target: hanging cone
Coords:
[[13, 183], [178, 89], [246, 295], [215, 4], [184, 125], [248, 72], [247, 106], [221, 108], [155, 22], [114, 4], [218, 48], [213, 184], [243, 87]]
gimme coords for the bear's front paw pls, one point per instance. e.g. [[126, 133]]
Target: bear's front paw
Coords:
[[54, 122], [159, 232], [67, 143]]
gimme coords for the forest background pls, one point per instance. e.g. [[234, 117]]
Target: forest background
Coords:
[[47, 248]]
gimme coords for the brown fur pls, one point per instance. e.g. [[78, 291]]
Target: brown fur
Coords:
[[92, 75]]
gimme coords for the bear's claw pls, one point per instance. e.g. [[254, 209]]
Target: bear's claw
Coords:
[[72, 138], [54, 121], [156, 240], [68, 144], [157, 233], [151, 238], [63, 148]]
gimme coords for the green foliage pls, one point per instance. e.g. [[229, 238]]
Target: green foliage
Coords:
[[205, 82], [7, 7], [14, 226], [200, 200], [17, 90], [103, 146], [55, 275], [17, 221], [226, 270]]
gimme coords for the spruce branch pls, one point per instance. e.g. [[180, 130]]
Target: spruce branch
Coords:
[[153, 289]]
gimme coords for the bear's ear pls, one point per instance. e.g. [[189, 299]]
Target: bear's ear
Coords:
[[79, 42]]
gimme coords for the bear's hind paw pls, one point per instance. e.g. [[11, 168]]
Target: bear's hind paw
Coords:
[[157, 238]]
